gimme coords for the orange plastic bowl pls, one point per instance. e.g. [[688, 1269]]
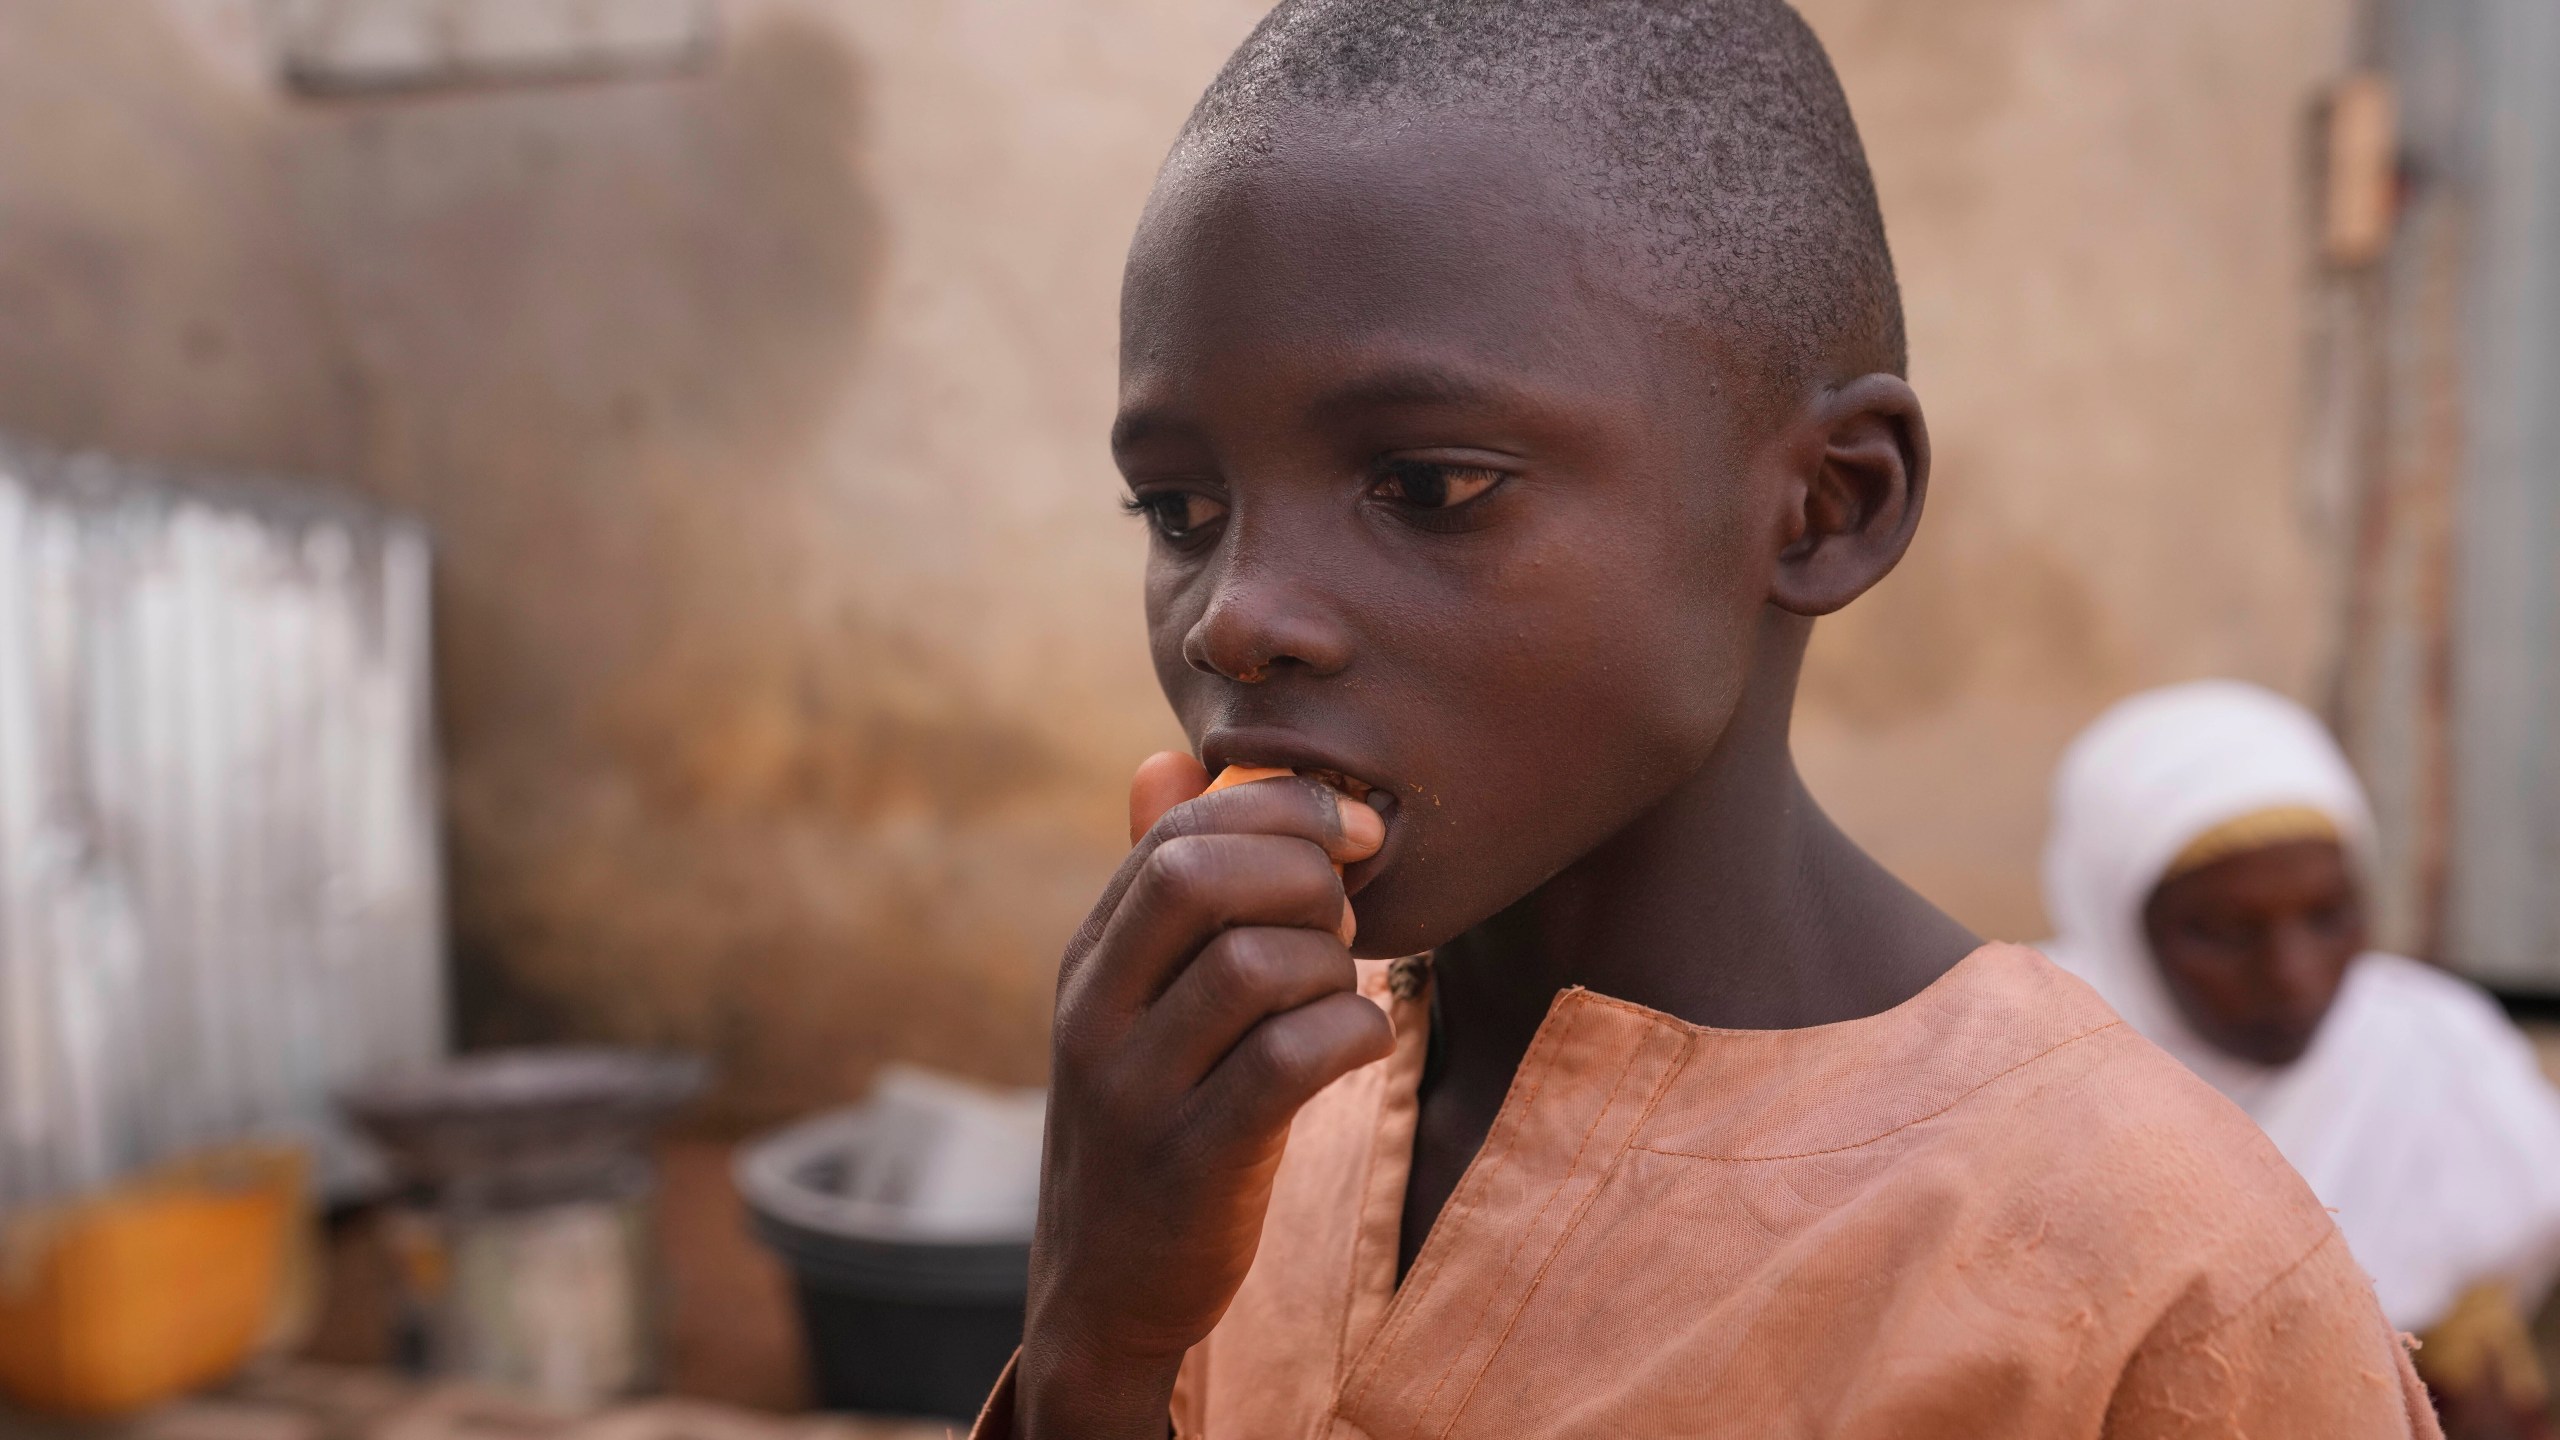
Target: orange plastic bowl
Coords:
[[115, 1303]]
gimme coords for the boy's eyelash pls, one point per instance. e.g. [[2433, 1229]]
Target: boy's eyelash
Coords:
[[1176, 516], [1433, 494], [1437, 487]]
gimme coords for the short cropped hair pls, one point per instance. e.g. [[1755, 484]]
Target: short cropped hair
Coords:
[[1716, 126]]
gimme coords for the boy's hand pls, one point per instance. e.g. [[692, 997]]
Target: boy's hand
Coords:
[[1207, 997]]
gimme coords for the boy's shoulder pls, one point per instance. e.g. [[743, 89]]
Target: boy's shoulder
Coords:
[[2005, 1038], [2008, 1103], [2104, 1111], [1993, 1204]]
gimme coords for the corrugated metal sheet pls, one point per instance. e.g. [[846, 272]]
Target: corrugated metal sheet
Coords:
[[2396, 552], [331, 46], [220, 889], [2449, 674], [2502, 921]]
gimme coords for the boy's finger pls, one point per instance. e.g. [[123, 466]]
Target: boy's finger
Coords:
[[1164, 780], [1301, 809], [1282, 804], [1282, 1062], [1239, 979], [1190, 888]]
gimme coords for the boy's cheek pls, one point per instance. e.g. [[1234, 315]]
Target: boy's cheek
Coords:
[[1165, 629], [1449, 873], [1496, 818], [1517, 738]]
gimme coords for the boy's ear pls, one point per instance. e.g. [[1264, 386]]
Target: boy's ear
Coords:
[[1854, 499]]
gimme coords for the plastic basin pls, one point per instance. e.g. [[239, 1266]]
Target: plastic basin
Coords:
[[901, 1315]]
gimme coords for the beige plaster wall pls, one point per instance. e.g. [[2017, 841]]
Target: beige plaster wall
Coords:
[[790, 648], [2098, 213]]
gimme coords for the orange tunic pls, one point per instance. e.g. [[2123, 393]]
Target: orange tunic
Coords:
[[1991, 1211]]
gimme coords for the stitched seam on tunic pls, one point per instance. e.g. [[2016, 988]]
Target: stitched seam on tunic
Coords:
[[1508, 1260], [2204, 1338], [1986, 1084], [1614, 1003], [1344, 1361], [2261, 1293], [1419, 1282], [1528, 1232], [1661, 1087], [1359, 1251]]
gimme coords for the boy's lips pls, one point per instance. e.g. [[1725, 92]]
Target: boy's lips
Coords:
[[1349, 785]]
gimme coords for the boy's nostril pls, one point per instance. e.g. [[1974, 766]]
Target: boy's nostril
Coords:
[[1220, 646], [1250, 638], [1250, 670]]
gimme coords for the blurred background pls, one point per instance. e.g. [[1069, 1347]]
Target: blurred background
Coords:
[[650, 453]]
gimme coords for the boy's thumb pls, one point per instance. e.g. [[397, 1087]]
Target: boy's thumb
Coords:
[[1164, 780]]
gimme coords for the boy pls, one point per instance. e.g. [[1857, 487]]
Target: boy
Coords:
[[1507, 383]]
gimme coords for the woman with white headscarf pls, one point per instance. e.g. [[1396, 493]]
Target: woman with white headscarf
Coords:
[[2203, 872]]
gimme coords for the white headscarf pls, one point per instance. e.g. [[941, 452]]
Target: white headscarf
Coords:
[[2419, 1114]]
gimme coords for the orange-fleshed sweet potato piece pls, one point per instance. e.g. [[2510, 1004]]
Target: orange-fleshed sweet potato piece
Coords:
[[1235, 775]]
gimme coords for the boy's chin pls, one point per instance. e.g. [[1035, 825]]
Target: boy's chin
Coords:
[[1396, 921]]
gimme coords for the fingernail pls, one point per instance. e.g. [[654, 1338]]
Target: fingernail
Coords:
[[1361, 826], [1350, 925]]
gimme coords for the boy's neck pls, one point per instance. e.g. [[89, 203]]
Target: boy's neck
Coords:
[[1733, 903]]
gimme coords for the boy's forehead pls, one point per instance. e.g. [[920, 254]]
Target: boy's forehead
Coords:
[[1451, 231]]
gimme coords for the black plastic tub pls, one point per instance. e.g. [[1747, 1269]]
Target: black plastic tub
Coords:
[[899, 1318]]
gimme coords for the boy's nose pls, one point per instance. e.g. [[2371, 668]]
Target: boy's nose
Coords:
[[1249, 630]]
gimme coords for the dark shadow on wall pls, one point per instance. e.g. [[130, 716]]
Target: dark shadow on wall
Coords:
[[594, 334]]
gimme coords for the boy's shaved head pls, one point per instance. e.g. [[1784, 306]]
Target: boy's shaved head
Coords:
[[1474, 350], [1716, 126]]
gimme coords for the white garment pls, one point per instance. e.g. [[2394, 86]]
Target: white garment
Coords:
[[2419, 1114]]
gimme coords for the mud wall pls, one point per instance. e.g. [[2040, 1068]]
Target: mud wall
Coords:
[[789, 648], [2099, 213]]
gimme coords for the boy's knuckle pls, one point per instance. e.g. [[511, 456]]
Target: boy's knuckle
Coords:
[[1106, 1097], [1124, 1098], [1188, 1140], [1285, 1057], [1180, 823], [1074, 991], [1249, 966], [1313, 866], [1202, 1130], [1316, 899], [1183, 873], [1215, 976], [1077, 1046]]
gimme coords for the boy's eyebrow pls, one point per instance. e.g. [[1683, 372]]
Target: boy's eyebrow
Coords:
[[1410, 383], [1131, 427], [1407, 384]]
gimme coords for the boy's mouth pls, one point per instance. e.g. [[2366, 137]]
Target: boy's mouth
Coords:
[[1350, 787], [1379, 798], [1355, 876]]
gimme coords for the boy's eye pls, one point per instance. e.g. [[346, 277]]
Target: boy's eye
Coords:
[[1177, 515], [1432, 485]]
